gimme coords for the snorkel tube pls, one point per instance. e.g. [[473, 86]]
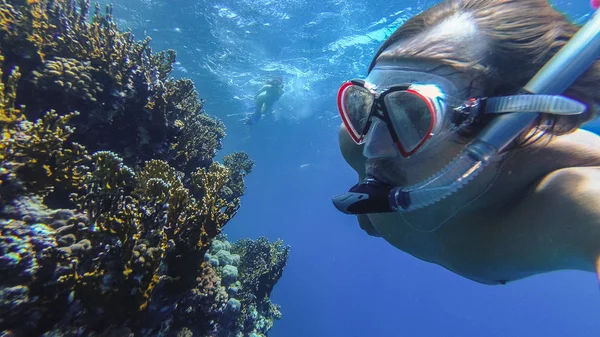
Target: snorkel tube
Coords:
[[582, 50], [564, 68]]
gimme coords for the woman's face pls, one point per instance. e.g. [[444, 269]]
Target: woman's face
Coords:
[[380, 158]]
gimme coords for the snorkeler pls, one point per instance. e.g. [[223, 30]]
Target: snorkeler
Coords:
[[264, 99], [465, 136]]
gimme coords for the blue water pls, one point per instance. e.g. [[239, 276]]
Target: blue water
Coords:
[[339, 281]]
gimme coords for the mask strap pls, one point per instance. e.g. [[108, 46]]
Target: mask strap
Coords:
[[549, 104]]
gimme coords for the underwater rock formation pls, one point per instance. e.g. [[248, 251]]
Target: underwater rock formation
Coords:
[[110, 197]]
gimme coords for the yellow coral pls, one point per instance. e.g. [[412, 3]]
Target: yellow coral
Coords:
[[98, 41], [27, 149], [39, 24], [9, 18], [213, 211], [9, 114], [68, 77]]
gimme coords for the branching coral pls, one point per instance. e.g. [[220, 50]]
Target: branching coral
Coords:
[[149, 214], [199, 136], [34, 156], [240, 165], [118, 84], [41, 28], [261, 264], [9, 113], [26, 27]]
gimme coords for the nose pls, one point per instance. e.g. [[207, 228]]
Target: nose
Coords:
[[379, 143]]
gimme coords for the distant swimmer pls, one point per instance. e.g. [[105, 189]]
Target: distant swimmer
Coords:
[[264, 99]]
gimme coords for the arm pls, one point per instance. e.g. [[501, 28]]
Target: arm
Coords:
[[263, 89]]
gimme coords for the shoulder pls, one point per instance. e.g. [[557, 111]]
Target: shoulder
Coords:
[[560, 169], [581, 145], [563, 203], [564, 210], [528, 165], [579, 178]]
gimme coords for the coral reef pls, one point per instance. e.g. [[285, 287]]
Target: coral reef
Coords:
[[239, 164], [110, 197], [261, 266], [69, 78], [72, 61], [233, 312], [33, 156]]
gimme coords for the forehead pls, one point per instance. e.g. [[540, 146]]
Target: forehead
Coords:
[[386, 74], [454, 39], [459, 26]]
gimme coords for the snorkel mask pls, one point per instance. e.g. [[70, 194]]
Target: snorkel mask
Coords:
[[413, 113], [418, 113]]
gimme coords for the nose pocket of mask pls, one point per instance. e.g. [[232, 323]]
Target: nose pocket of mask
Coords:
[[379, 143]]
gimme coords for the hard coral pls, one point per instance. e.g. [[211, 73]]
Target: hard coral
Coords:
[[217, 305], [240, 165], [34, 157], [35, 271], [118, 84], [151, 215], [69, 78], [261, 265]]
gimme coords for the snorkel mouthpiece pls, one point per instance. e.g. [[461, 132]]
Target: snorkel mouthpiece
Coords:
[[372, 196], [369, 196]]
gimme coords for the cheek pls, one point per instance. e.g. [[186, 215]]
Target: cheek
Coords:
[[352, 153], [347, 145]]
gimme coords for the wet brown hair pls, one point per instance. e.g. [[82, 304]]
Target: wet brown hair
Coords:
[[518, 38]]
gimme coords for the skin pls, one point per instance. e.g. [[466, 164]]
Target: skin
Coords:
[[541, 213]]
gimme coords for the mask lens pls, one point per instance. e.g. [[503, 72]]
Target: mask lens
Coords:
[[354, 105], [412, 118]]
